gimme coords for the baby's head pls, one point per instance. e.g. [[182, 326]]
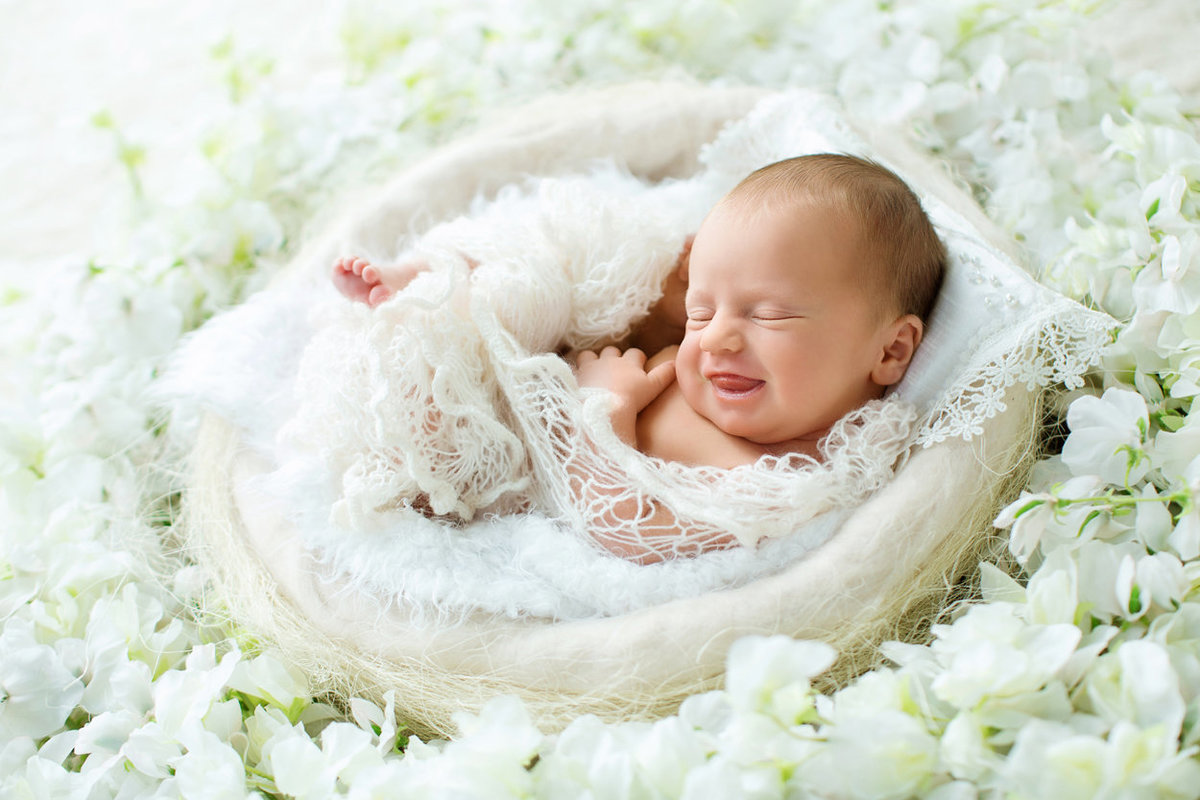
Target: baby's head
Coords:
[[808, 289]]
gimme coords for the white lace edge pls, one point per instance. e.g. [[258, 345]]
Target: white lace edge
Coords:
[[1058, 346]]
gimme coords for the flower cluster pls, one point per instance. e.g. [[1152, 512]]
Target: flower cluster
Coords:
[[1080, 679]]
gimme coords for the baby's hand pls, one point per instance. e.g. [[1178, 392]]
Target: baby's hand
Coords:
[[625, 375]]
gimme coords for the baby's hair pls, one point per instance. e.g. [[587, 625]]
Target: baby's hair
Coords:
[[897, 238]]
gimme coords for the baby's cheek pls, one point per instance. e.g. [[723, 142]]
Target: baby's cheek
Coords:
[[691, 382], [687, 362]]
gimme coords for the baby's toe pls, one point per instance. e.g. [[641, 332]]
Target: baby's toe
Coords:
[[377, 295]]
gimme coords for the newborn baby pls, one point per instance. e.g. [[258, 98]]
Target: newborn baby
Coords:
[[802, 297]]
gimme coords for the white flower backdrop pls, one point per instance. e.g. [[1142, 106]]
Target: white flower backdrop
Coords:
[[1080, 678]]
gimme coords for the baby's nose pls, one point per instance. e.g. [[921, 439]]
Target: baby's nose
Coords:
[[721, 335]]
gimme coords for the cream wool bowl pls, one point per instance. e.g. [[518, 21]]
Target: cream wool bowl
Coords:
[[997, 343]]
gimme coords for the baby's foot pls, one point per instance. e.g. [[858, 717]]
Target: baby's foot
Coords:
[[364, 282]]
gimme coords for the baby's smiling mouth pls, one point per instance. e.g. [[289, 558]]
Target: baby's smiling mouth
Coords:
[[730, 384]]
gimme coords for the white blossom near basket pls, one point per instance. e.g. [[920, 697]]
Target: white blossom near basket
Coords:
[[342, 609]]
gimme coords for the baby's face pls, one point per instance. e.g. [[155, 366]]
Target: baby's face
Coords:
[[782, 334]]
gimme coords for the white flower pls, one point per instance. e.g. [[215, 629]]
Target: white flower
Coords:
[[1185, 539], [380, 722], [888, 754], [209, 770], [1055, 762], [1105, 575], [964, 750], [667, 752], [1173, 451], [1152, 520], [588, 757], [1039, 522], [14, 752], [117, 684], [135, 621], [265, 677], [107, 733], [1052, 595], [264, 728], [1107, 436], [183, 697], [719, 777], [1159, 582], [772, 675], [151, 750], [348, 751], [37, 691], [300, 770], [992, 652], [1179, 633], [1173, 282], [752, 739], [1137, 683], [489, 758]]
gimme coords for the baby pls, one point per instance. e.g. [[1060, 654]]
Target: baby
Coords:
[[802, 296], [807, 290]]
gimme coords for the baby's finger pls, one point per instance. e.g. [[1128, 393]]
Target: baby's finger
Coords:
[[661, 376], [611, 352], [585, 356], [636, 356]]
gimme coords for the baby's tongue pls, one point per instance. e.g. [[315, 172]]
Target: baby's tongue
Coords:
[[734, 383]]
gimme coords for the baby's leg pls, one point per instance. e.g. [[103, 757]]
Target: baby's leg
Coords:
[[364, 282]]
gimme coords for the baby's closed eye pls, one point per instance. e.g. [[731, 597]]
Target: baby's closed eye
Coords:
[[776, 317]]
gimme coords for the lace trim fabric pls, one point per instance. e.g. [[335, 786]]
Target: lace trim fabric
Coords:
[[682, 511]]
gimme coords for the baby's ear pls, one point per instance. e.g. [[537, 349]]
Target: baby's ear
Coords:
[[900, 343]]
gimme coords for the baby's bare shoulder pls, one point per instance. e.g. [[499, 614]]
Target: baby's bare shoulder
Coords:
[[671, 429]]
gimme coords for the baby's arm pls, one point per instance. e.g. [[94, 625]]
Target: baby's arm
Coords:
[[638, 529]]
